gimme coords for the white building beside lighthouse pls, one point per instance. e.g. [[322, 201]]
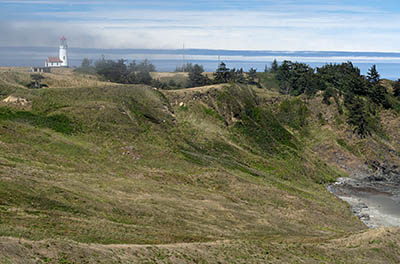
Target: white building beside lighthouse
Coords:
[[62, 59]]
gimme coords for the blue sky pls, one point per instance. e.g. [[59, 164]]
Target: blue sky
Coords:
[[228, 24]]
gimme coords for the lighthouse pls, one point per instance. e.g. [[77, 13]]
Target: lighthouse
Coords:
[[62, 59], [63, 52]]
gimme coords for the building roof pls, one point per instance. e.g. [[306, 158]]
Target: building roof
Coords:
[[53, 59]]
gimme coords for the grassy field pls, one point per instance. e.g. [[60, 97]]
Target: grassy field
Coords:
[[95, 172]]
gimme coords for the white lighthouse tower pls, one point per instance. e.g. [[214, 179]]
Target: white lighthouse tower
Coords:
[[62, 59], [63, 52]]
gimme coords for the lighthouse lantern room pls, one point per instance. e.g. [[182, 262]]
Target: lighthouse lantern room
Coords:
[[62, 59]]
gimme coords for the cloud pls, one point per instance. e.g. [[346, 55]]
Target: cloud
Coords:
[[273, 25]]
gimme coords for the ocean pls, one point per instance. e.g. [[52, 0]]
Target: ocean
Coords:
[[388, 63]]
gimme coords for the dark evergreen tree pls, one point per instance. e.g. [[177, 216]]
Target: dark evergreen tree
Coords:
[[373, 75], [222, 75], [132, 67], [379, 95], [297, 78], [357, 116], [130, 78], [232, 76], [274, 66], [146, 66], [86, 63], [158, 84], [240, 76], [343, 77], [252, 75], [196, 78], [356, 85], [121, 73], [187, 67], [361, 115], [283, 76], [396, 89], [144, 77], [111, 70], [328, 93]]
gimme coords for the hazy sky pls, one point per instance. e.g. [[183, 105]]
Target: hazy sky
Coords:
[[367, 25]]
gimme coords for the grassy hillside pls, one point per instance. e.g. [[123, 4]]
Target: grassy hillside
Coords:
[[115, 174]]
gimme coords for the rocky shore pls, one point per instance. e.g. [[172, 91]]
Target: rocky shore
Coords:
[[374, 196]]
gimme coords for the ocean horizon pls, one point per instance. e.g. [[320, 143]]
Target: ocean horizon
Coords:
[[388, 63]]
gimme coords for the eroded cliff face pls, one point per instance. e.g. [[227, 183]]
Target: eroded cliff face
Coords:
[[372, 182]]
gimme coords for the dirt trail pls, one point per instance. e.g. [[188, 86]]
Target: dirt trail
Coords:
[[12, 240], [196, 89], [13, 250]]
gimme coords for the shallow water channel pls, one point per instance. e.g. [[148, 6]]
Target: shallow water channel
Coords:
[[377, 204]]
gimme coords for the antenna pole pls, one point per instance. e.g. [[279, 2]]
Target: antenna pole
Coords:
[[183, 57]]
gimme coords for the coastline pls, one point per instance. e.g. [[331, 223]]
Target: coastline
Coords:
[[374, 200]]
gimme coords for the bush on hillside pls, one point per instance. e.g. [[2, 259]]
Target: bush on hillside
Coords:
[[36, 81], [196, 77], [225, 75], [362, 116], [120, 72], [396, 89], [298, 78]]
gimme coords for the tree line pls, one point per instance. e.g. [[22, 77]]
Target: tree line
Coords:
[[222, 75], [362, 96], [139, 73], [119, 71], [359, 97]]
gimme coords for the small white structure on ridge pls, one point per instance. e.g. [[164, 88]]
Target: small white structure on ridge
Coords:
[[62, 59]]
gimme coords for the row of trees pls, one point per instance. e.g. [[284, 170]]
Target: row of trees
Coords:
[[119, 71], [188, 67], [139, 73], [222, 75], [362, 95]]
